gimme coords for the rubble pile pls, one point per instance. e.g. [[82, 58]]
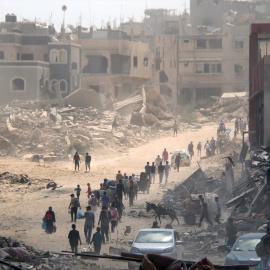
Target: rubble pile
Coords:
[[27, 257], [227, 110], [39, 134]]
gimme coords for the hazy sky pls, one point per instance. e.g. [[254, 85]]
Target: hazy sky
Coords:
[[92, 12]]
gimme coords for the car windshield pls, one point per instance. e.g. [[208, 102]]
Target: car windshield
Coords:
[[246, 244], [154, 237]]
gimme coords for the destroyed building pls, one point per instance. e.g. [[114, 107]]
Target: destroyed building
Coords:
[[32, 60], [113, 66], [203, 54]]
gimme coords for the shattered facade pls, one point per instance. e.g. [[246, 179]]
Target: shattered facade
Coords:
[[115, 67], [200, 55]]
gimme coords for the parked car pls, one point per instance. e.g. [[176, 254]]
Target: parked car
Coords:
[[185, 157], [158, 241], [243, 251]]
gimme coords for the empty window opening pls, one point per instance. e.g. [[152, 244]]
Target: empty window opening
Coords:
[[2, 55], [165, 91], [145, 61], [239, 44], [135, 61], [63, 56], [74, 66], [238, 69], [208, 68], [18, 84], [63, 86], [186, 64], [186, 40], [18, 56], [94, 87], [96, 64], [53, 85], [127, 88], [215, 43], [27, 56], [163, 78], [120, 64], [171, 27], [201, 44], [54, 56]]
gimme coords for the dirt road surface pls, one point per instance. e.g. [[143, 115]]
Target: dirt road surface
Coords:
[[22, 210]]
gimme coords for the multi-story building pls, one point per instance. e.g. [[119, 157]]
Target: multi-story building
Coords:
[[112, 65], [32, 61], [201, 55]]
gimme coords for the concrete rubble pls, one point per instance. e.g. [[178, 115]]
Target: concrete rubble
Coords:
[[47, 135], [27, 257]]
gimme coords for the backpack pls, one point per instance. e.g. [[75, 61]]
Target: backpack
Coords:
[[76, 203], [112, 213], [260, 249], [94, 202]]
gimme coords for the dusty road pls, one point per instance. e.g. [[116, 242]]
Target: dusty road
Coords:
[[22, 210]]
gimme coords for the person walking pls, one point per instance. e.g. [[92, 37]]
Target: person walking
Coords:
[[113, 217], [135, 185], [131, 196], [89, 223], [74, 238], [191, 149], [161, 169], [126, 186], [119, 206], [152, 173], [104, 221], [105, 200], [97, 240], [157, 162], [120, 190], [236, 126], [77, 161], [118, 177], [93, 202], [88, 190], [73, 206], [199, 148], [78, 192], [231, 233], [177, 161], [49, 218], [218, 210], [175, 127], [165, 155], [147, 170], [213, 146], [167, 169], [204, 212], [87, 162]]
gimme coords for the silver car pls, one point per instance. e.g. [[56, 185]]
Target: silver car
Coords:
[[243, 251], [158, 241], [185, 157]]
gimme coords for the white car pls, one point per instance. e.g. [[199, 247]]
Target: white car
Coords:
[[185, 157], [158, 241]]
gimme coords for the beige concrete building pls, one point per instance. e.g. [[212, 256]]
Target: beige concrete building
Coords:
[[115, 67], [203, 54]]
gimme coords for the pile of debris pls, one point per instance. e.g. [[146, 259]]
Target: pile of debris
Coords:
[[39, 134], [26, 257]]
